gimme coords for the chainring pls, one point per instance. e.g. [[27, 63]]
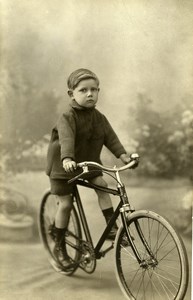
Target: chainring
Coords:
[[88, 260]]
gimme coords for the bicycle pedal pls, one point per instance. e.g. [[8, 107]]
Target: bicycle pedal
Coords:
[[125, 242]]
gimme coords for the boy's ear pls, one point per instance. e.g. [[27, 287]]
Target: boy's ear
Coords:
[[70, 93]]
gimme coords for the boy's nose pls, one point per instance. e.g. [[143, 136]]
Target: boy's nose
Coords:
[[89, 93]]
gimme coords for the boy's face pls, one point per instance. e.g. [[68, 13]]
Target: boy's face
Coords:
[[86, 93]]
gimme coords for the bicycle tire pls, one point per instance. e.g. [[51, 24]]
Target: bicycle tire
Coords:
[[165, 279], [47, 213]]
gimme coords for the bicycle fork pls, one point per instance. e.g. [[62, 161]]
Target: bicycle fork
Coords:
[[126, 210]]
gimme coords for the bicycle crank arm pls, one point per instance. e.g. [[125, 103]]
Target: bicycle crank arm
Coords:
[[104, 252]]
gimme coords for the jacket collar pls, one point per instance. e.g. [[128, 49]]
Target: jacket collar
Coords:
[[75, 105]]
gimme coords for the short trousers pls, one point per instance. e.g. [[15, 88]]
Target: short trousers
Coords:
[[61, 187]]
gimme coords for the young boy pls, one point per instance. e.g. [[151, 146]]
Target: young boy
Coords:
[[79, 135]]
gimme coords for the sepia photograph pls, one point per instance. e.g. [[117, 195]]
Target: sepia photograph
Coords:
[[96, 149]]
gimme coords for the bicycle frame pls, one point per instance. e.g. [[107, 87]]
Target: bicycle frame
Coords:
[[123, 208]]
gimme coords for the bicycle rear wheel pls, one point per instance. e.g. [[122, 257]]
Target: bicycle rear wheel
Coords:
[[46, 220], [162, 273]]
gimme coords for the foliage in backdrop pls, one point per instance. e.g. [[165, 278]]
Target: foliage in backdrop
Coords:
[[27, 115], [164, 141]]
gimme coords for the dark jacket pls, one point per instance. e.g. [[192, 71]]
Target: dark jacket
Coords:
[[80, 134]]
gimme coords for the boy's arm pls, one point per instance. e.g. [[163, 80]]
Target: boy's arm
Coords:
[[112, 141], [66, 131]]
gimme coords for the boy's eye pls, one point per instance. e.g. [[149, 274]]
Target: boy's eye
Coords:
[[83, 90]]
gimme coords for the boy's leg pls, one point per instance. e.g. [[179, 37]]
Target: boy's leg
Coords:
[[61, 224], [63, 211], [103, 198], [105, 204]]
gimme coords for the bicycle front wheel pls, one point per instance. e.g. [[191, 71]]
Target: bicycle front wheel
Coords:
[[47, 214], [162, 271]]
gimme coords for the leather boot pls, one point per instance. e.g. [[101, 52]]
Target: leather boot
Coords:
[[60, 251]]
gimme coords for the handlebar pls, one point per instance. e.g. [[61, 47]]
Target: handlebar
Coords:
[[134, 161]]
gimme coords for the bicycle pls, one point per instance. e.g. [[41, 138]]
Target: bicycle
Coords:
[[150, 257]]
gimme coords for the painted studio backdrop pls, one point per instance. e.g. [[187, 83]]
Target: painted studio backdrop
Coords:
[[142, 53]]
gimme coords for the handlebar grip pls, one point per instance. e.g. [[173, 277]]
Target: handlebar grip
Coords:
[[134, 156]]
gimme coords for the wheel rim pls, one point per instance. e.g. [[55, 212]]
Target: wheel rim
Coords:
[[157, 278]]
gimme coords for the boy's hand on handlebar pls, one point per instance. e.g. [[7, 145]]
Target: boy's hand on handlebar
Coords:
[[125, 158], [69, 165]]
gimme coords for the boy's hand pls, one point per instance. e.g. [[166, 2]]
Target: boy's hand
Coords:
[[125, 158], [69, 165]]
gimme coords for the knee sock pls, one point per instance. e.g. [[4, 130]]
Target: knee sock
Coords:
[[60, 234], [108, 214]]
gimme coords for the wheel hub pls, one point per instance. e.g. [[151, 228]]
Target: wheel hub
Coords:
[[149, 263]]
